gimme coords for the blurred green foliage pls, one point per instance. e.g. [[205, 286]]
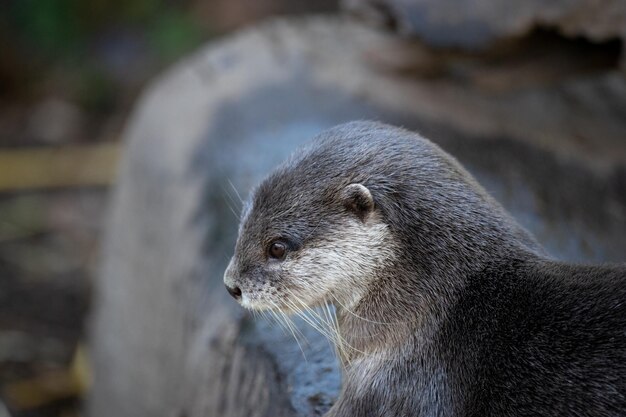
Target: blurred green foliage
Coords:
[[57, 27], [171, 33], [47, 37], [47, 26], [93, 90]]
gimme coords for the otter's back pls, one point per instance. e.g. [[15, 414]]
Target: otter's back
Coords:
[[541, 338]]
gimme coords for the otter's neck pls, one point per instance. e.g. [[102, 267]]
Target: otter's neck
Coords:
[[408, 301]]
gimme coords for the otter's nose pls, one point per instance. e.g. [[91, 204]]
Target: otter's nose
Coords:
[[235, 292]]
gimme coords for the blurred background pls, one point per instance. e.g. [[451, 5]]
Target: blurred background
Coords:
[[71, 71]]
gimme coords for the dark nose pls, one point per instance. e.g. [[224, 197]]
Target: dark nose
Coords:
[[235, 292]]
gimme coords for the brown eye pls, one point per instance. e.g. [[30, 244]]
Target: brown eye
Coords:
[[277, 250]]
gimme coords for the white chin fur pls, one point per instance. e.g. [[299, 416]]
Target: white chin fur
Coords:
[[339, 269], [258, 303], [253, 304]]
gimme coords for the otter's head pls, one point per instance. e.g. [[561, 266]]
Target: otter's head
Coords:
[[313, 231], [306, 238]]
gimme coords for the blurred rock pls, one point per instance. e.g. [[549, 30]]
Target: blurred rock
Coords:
[[3, 410], [55, 121], [168, 341], [477, 23], [17, 346]]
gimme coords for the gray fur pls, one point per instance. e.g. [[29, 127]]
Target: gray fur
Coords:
[[425, 283]]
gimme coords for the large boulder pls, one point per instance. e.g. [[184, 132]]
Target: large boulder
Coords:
[[476, 23], [167, 340]]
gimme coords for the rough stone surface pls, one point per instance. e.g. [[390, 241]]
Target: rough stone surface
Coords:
[[475, 23], [168, 341]]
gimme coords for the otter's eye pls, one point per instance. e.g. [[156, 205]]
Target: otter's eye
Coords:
[[278, 250]]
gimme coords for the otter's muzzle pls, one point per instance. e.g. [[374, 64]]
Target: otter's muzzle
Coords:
[[229, 282], [235, 292]]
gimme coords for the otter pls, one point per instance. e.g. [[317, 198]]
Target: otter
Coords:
[[445, 306]]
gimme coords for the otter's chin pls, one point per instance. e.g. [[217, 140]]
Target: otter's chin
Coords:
[[252, 302], [288, 304], [261, 302]]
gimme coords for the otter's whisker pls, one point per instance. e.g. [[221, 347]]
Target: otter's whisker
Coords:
[[331, 323], [267, 317], [231, 203], [278, 319], [287, 320], [368, 320], [301, 312], [289, 325], [325, 327], [235, 190], [332, 317]]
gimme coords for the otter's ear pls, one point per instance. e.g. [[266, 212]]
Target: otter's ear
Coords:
[[358, 199]]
